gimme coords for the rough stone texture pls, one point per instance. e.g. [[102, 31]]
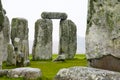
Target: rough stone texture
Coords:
[[68, 39], [20, 57], [27, 73], [19, 30], [6, 34], [60, 58], [1, 48], [4, 26], [11, 59], [42, 47], [85, 73], [3, 72], [53, 15], [103, 32], [2, 16], [106, 62]]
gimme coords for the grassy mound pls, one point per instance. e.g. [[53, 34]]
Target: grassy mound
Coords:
[[49, 68]]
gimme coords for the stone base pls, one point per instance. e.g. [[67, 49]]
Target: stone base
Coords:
[[108, 62]]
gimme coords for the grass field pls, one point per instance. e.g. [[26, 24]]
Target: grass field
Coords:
[[49, 68]]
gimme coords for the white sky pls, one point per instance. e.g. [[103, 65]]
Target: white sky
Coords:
[[32, 9]]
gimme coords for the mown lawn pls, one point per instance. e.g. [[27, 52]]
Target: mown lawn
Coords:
[[49, 68]]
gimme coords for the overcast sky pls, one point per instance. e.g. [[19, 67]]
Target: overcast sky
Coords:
[[32, 9]]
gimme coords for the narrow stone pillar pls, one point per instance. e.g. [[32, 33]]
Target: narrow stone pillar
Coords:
[[1, 48], [19, 30], [68, 39], [6, 34], [42, 47], [2, 18], [11, 59], [103, 34]]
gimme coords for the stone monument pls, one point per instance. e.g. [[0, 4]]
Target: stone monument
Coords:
[[19, 38], [68, 39], [42, 47]]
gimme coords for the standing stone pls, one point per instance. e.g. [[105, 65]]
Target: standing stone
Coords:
[[2, 17], [103, 34], [42, 47], [11, 59], [19, 31], [6, 34], [68, 39]]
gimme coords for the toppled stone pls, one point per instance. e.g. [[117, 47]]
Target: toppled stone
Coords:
[[19, 37], [42, 47], [53, 15], [103, 34], [11, 59], [27, 73], [60, 58], [68, 39], [85, 73]]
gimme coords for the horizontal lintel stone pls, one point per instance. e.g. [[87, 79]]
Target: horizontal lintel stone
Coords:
[[53, 15]]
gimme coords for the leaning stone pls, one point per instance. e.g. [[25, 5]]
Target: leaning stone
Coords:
[[42, 47], [53, 15], [85, 73], [68, 39], [103, 34], [11, 59], [20, 30], [27, 73]]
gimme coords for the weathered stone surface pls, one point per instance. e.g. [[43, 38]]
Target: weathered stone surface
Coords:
[[85, 73], [2, 16], [42, 47], [103, 31], [68, 39], [3, 72], [1, 48], [106, 62], [27, 73], [19, 31], [60, 58], [6, 34], [53, 15], [11, 59]]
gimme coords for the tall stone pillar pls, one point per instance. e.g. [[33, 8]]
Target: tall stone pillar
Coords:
[[4, 22], [103, 34], [68, 39], [6, 35], [42, 47], [19, 31]]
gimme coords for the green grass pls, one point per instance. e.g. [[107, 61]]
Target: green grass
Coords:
[[49, 68]]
